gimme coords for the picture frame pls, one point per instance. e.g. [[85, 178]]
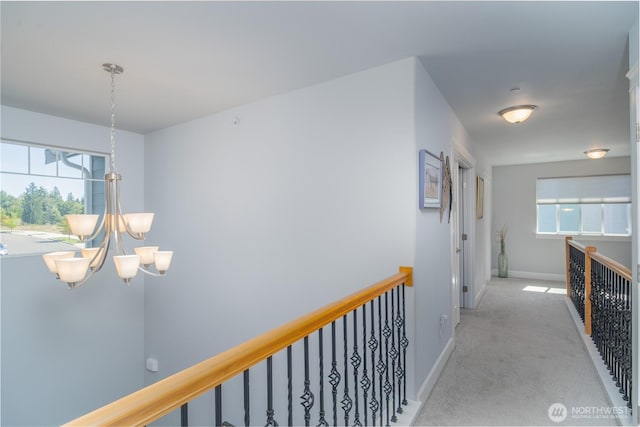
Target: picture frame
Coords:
[[430, 180], [479, 197]]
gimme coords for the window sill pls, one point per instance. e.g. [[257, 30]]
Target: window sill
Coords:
[[584, 237]]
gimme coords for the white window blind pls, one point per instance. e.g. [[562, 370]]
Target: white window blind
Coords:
[[584, 190]]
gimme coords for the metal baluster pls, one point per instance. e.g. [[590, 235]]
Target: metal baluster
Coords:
[[381, 367], [289, 387], [610, 324], [628, 328], [334, 376], [617, 313], [373, 346], [307, 397], [393, 353], [387, 333], [347, 403], [247, 415], [399, 370], [620, 335], [355, 362], [270, 412], [184, 415], [218, 398], [404, 343], [625, 337], [365, 383], [605, 319], [322, 422]]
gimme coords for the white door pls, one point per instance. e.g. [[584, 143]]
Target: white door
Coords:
[[462, 236], [456, 257]]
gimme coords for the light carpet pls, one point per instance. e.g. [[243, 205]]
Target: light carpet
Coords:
[[517, 354]]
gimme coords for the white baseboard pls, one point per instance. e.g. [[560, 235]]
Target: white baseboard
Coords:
[[534, 276], [479, 295], [432, 378], [409, 414]]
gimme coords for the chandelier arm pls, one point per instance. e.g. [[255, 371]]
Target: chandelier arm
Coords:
[[119, 247], [99, 228], [103, 250], [115, 215], [118, 213], [149, 272]]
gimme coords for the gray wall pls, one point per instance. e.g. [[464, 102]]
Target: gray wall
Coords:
[[273, 209], [514, 205], [65, 352], [312, 196]]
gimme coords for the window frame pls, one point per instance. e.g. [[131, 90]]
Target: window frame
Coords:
[[602, 234], [97, 176]]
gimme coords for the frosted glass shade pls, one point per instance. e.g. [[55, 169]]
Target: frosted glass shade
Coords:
[[92, 254], [50, 259], [146, 254], [72, 270], [517, 114], [597, 153], [127, 265], [82, 225], [139, 222], [163, 260]]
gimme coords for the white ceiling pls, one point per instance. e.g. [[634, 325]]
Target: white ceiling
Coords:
[[184, 60]]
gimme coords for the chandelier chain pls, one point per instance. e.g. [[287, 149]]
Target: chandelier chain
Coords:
[[113, 120]]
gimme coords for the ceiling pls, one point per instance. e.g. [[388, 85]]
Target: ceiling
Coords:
[[185, 60]]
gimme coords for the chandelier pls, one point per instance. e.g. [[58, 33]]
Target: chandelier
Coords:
[[75, 271]]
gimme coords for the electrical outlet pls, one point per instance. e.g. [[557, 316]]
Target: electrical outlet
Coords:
[[443, 322]]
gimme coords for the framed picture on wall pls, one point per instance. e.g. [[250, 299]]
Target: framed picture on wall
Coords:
[[430, 180], [479, 197]]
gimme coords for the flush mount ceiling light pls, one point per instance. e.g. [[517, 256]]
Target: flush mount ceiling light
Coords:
[[596, 153], [518, 113], [77, 270]]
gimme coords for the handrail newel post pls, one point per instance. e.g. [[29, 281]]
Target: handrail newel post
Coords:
[[568, 258], [587, 289], [409, 271]]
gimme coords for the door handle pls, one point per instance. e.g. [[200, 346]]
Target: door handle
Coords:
[[458, 250]]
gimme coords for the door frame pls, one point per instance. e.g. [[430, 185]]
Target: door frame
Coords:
[[462, 159]]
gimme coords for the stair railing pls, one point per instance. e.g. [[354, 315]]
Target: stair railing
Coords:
[[365, 373], [600, 289]]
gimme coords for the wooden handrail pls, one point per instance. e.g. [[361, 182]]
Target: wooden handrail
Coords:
[[158, 399], [612, 265], [603, 259], [575, 244]]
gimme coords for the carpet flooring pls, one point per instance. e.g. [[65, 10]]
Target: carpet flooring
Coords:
[[517, 354]]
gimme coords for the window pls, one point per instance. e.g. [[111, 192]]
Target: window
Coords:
[[38, 186], [587, 206]]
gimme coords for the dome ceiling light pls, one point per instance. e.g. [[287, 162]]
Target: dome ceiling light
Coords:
[[596, 153], [518, 113]]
